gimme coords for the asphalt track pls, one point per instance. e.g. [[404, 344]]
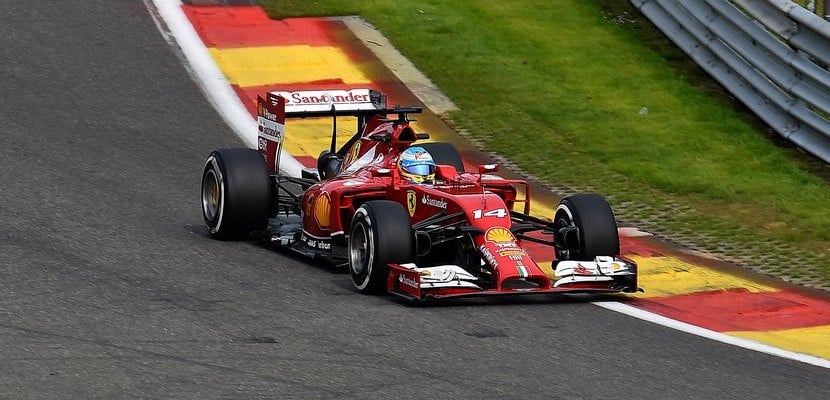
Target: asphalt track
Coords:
[[109, 287]]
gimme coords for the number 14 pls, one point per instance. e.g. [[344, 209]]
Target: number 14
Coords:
[[499, 213]]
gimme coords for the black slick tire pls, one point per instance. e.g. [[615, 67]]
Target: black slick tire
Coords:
[[592, 215], [236, 193], [444, 154], [380, 234]]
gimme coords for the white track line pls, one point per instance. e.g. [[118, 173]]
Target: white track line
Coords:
[[218, 91], [710, 334], [177, 29]]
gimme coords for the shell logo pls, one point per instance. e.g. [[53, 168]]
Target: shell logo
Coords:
[[499, 235], [322, 210]]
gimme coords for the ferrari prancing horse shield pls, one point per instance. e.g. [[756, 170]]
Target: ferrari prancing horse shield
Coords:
[[411, 201]]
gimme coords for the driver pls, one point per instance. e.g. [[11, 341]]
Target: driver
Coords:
[[416, 165]]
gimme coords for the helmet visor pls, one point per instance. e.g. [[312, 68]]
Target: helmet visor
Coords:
[[420, 169]]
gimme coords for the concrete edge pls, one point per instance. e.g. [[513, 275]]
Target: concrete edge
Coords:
[[407, 72]]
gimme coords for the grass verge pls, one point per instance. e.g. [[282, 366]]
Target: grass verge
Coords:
[[587, 95]]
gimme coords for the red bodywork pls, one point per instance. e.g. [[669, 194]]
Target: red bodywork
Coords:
[[369, 172]]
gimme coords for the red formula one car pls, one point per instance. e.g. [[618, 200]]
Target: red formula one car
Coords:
[[455, 234]]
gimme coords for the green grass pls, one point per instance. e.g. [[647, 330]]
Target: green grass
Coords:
[[558, 88], [818, 3]]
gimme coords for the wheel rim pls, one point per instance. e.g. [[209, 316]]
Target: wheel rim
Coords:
[[358, 249], [562, 219], [210, 195]]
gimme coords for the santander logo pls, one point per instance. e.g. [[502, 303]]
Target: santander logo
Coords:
[[328, 97], [440, 203]]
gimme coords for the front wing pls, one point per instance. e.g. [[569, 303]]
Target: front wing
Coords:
[[603, 275]]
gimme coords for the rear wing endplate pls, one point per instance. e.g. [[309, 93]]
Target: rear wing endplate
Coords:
[[271, 130]]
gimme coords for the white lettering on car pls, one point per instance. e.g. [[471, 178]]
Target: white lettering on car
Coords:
[[407, 281], [440, 203]]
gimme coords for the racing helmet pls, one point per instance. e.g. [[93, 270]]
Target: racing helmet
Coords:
[[416, 164]]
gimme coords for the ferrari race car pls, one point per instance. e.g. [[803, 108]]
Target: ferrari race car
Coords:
[[458, 234]]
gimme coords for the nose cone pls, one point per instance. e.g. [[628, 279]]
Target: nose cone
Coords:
[[512, 265]]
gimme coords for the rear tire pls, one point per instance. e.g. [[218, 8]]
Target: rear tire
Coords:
[[381, 233], [236, 193], [592, 215], [444, 154]]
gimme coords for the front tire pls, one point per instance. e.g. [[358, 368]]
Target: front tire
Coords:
[[236, 193], [380, 234], [595, 225]]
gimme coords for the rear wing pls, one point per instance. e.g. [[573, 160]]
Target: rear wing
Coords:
[[279, 105], [337, 103], [324, 103]]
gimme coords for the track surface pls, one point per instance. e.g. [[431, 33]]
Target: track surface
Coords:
[[110, 288]]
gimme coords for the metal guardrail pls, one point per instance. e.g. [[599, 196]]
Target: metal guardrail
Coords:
[[770, 54]]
